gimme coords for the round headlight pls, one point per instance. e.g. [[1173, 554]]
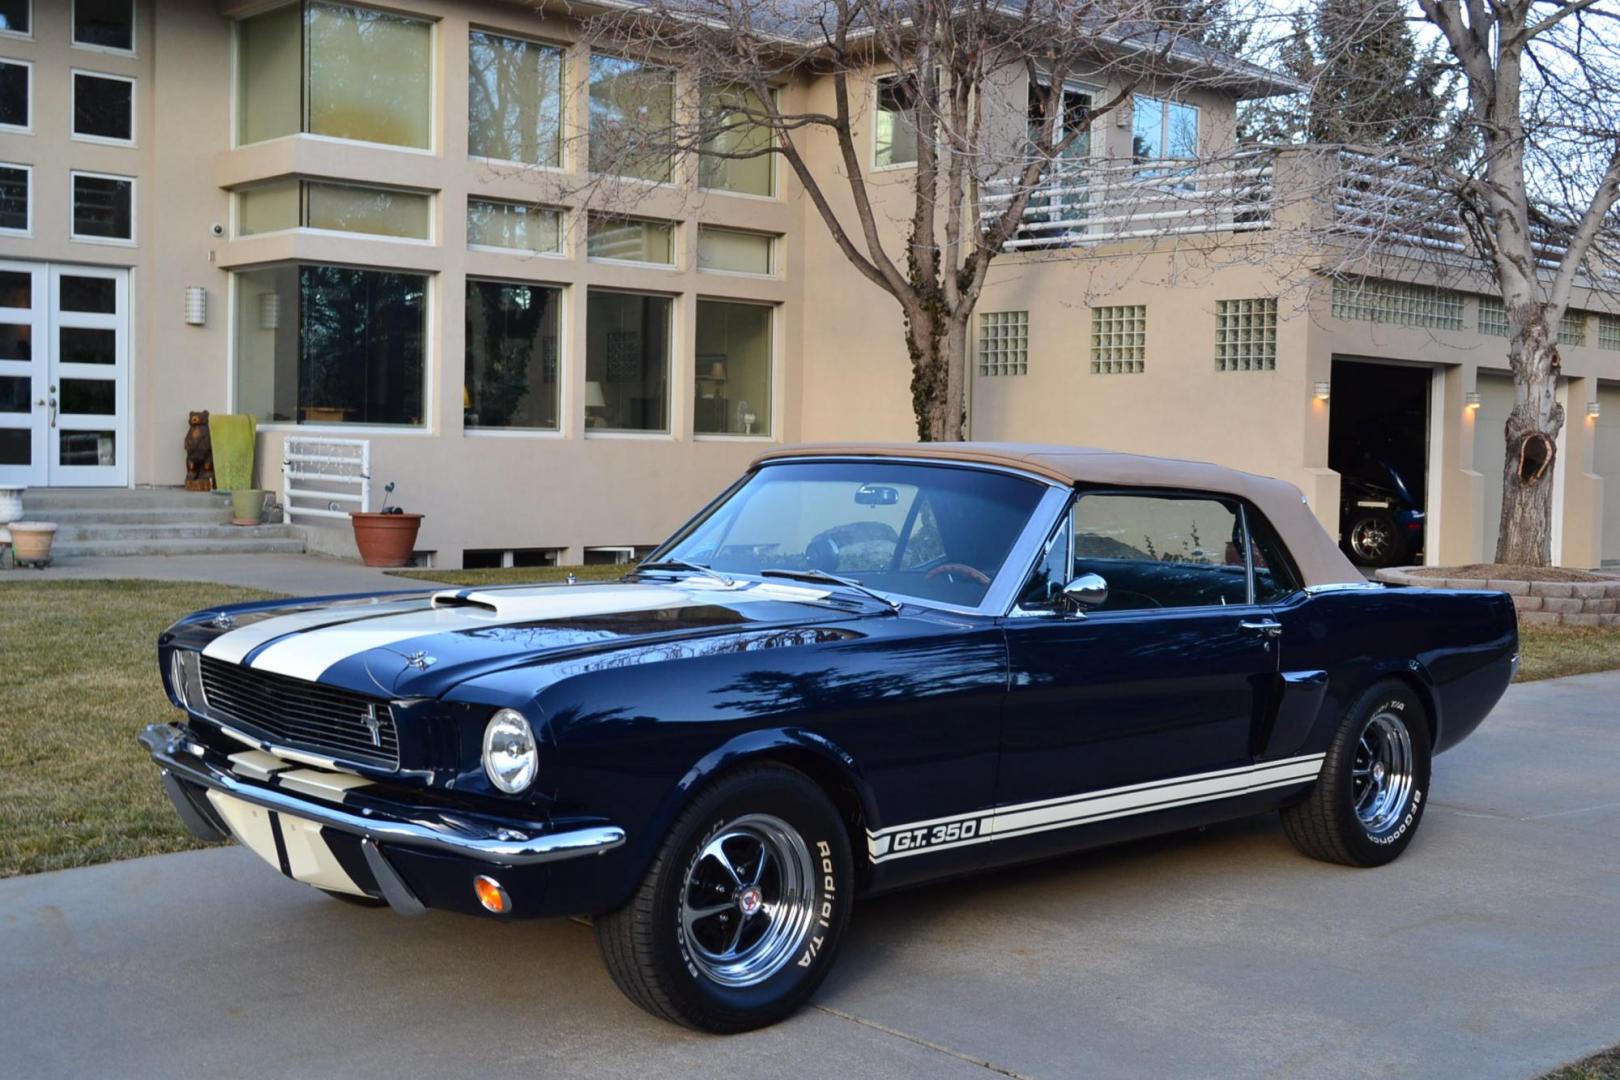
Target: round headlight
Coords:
[[510, 755]]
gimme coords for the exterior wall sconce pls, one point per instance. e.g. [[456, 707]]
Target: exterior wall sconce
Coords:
[[1323, 388], [1472, 400], [196, 305], [1594, 408]]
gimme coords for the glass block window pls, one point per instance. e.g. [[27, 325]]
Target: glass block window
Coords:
[[1492, 316], [1003, 342], [1572, 328], [1246, 335], [1609, 332], [1398, 303], [1118, 339]]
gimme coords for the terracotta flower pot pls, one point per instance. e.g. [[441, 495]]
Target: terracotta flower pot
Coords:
[[31, 541], [385, 539], [247, 506]]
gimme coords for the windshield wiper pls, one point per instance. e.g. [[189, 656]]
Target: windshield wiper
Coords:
[[833, 579], [682, 564]]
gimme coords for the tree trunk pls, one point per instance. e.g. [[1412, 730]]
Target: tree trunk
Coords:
[[938, 349], [1524, 537]]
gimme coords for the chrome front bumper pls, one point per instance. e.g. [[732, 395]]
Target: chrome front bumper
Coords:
[[182, 759]]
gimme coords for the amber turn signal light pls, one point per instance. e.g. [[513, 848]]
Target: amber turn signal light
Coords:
[[492, 895]]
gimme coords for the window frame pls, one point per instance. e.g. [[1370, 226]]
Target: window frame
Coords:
[[1166, 111], [877, 108], [27, 127], [22, 35], [28, 170], [773, 239], [74, 42], [1096, 132], [74, 134], [674, 179], [430, 353], [672, 327], [300, 229], [773, 313], [775, 194], [564, 381], [1244, 512], [564, 157], [527, 253], [134, 208], [674, 227]]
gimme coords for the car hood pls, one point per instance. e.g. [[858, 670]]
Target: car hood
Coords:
[[421, 645]]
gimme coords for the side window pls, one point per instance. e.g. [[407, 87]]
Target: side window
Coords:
[[1275, 578], [1161, 551]]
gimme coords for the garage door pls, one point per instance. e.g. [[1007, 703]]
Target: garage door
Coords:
[[1608, 467], [1490, 453]]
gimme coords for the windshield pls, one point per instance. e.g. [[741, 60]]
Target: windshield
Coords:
[[923, 531]]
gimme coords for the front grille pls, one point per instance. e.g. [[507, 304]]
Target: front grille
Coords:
[[301, 715]]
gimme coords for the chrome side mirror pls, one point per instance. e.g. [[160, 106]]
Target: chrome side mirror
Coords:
[[1085, 591]]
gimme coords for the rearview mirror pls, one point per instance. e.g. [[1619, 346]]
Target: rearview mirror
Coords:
[[1085, 591], [876, 495]]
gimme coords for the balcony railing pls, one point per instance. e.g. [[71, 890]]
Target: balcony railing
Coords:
[[1099, 202]]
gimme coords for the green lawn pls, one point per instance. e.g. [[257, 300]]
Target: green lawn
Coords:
[[515, 575], [78, 679]]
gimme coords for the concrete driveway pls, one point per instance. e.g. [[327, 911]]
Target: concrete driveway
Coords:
[[1492, 949]]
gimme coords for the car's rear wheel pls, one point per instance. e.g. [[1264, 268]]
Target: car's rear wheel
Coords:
[[1374, 539], [1374, 784], [742, 912]]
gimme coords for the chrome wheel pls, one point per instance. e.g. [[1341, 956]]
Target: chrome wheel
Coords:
[[1381, 777], [1372, 538], [748, 901]]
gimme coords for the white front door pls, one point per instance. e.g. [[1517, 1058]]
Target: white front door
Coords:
[[64, 374]]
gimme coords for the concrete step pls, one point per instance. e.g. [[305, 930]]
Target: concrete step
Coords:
[[195, 546], [43, 500], [199, 531], [89, 516]]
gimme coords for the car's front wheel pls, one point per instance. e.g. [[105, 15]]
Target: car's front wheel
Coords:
[[742, 912], [1374, 784]]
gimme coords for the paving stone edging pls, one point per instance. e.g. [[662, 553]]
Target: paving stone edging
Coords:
[[1539, 603]]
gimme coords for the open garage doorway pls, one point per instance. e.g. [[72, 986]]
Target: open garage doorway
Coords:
[[1378, 443]]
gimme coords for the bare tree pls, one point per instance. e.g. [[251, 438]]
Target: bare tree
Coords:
[[791, 78]]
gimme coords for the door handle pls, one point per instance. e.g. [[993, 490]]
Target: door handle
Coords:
[[1269, 627], [53, 412]]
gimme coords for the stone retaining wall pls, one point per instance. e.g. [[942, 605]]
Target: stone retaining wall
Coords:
[[1571, 603]]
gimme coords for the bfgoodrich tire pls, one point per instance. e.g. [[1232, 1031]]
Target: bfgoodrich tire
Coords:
[[1374, 785], [742, 911]]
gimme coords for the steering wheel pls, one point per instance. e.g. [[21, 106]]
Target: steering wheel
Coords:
[[958, 568]]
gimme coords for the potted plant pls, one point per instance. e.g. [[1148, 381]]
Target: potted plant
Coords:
[[232, 436], [388, 536], [31, 541]]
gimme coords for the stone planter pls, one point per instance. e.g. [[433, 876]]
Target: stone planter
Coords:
[[31, 541], [247, 506], [1539, 603], [385, 539]]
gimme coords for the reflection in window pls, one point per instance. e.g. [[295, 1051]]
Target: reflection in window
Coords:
[[322, 344], [105, 24], [733, 369], [14, 198], [627, 362], [632, 118], [14, 16], [1163, 131], [736, 145], [103, 107], [896, 121], [103, 207], [519, 226], [735, 251], [92, 295], [337, 70], [314, 204], [630, 239], [14, 111], [511, 355], [1161, 551], [514, 100]]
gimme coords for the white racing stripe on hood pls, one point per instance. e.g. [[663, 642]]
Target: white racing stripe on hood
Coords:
[[308, 655], [233, 647]]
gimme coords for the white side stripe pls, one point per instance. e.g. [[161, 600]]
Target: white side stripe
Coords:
[[1023, 819]]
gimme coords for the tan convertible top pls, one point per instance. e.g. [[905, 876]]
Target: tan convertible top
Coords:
[[1319, 558]]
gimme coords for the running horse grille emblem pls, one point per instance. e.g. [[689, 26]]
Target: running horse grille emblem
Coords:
[[373, 725]]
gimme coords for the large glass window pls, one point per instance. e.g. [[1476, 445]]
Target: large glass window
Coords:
[[315, 204], [511, 355], [626, 362], [632, 118], [737, 145], [103, 107], [733, 382], [630, 239], [16, 16], [104, 24], [734, 251], [339, 70], [320, 344], [514, 100], [14, 198], [16, 97], [896, 139], [1163, 130], [518, 226], [103, 207]]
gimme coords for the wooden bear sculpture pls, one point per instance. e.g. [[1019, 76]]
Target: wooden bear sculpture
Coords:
[[199, 454]]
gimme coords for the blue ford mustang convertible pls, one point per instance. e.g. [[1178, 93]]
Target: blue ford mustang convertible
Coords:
[[862, 667]]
